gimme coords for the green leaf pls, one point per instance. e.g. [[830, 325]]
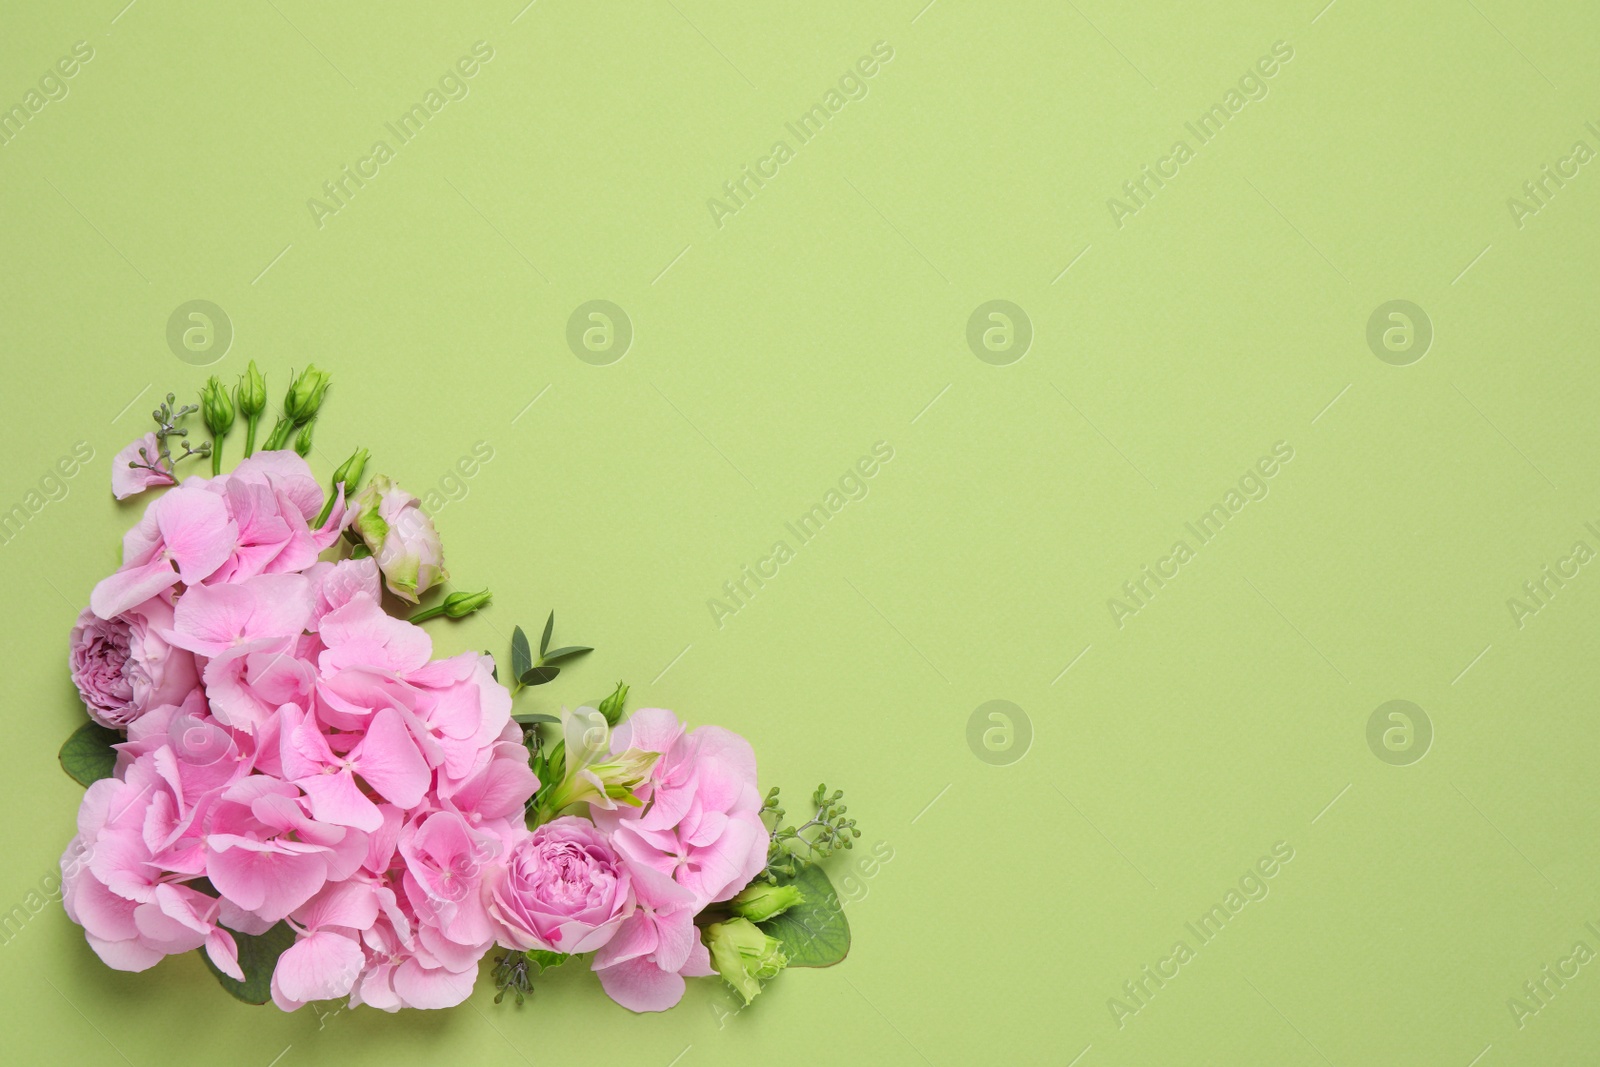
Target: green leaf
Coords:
[[521, 658], [546, 960], [539, 675], [549, 625], [814, 932], [529, 717], [564, 653], [257, 957], [87, 755]]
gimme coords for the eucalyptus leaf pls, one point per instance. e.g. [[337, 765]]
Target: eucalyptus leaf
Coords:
[[549, 626], [814, 932], [530, 717], [564, 653], [538, 675], [257, 958], [87, 755], [521, 657]]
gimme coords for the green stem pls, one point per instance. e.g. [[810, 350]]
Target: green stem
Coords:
[[250, 435], [327, 509], [428, 613], [279, 436], [216, 456]]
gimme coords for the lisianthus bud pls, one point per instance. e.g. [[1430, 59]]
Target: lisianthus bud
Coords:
[[350, 470], [759, 901], [456, 605], [251, 392], [305, 394], [349, 476], [460, 605], [611, 706], [216, 410], [302, 441], [744, 955], [250, 397], [215, 407], [402, 538]]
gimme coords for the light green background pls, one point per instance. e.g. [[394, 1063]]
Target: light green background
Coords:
[[771, 353]]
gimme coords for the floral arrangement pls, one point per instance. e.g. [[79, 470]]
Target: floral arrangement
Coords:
[[282, 777]]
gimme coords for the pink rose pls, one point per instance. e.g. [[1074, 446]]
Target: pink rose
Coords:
[[123, 667], [562, 889]]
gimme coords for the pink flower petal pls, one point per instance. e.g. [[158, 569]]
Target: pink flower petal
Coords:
[[319, 966], [197, 531], [640, 985], [388, 760]]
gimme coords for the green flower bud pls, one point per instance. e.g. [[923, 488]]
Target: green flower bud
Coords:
[[460, 605], [759, 902], [305, 395], [350, 470], [744, 955], [456, 605], [251, 393], [611, 706], [215, 407], [302, 442]]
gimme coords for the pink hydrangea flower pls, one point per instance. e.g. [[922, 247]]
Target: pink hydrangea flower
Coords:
[[644, 965], [701, 823]]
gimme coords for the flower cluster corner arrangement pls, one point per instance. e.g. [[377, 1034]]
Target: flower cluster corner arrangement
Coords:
[[282, 777]]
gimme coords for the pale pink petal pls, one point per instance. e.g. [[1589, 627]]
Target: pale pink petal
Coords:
[[422, 987], [353, 904], [129, 955], [388, 760], [197, 531], [640, 985], [269, 883], [678, 936], [127, 481], [209, 620], [117, 593], [637, 936], [336, 799], [224, 953], [319, 966]]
